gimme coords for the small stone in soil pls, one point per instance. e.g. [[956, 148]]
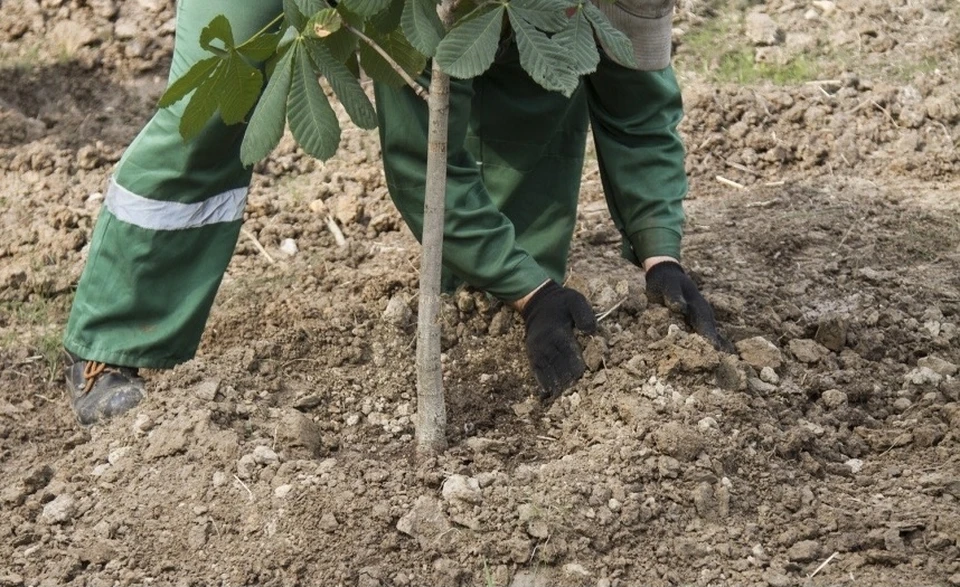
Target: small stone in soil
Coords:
[[207, 390], [245, 466], [759, 352], [807, 350], [328, 522], [59, 510], [288, 247], [263, 455], [461, 488], [834, 398], [398, 312], [768, 375], [804, 551]]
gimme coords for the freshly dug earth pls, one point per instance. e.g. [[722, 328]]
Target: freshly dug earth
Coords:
[[824, 453]]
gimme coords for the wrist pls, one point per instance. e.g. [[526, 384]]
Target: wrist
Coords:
[[521, 303], [649, 262]]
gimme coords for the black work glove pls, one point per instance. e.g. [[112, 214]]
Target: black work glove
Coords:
[[550, 317], [669, 285]]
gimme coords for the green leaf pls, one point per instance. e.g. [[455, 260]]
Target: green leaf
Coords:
[[353, 66], [268, 120], [543, 59], [282, 49], [465, 9], [189, 81], [341, 44], [366, 7], [352, 18], [312, 121], [239, 88], [614, 42], [219, 29], [324, 23], [345, 86], [261, 47], [202, 106], [287, 39], [581, 47], [389, 19], [311, 7], [397, 46], [422, 26], [293, 14], [546, 15], [469, 48]]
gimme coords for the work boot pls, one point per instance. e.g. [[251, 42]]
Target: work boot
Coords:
[[99, 391]]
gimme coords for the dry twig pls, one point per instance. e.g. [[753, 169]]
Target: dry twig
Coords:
[[885, 111], [244, 485], [822, 565], [257, 244], [743, 168], [335, 230], [320, 207], [731, 183], [603, 315], [763, 204]]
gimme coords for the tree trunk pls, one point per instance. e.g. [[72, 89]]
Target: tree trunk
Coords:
[[431, 408]]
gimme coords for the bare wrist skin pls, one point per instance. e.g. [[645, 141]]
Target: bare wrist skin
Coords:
[[518, 305], [649, 262]]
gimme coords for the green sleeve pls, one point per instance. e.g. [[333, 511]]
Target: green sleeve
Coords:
[[634, 116]]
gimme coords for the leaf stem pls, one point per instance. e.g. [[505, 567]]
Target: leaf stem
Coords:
[[417, 88], [269, 26]]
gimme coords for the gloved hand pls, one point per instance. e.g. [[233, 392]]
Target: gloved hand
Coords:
[[555, 356], [669, 285]]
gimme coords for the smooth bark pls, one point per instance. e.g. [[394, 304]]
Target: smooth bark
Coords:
[[431, 406]]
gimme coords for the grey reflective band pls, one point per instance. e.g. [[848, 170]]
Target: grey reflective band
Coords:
[[160, 215]]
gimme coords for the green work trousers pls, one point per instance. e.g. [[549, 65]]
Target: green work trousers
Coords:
[[173, 210], [170, 221], [634, 117], [516, 154]]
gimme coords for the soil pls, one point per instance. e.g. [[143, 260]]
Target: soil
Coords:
[[823, 224]]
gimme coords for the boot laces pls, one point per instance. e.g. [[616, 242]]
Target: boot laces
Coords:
[[91, 371]]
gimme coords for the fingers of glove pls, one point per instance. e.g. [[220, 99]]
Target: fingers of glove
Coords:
[[669, 285], [675, 296], [700, 317], [654, 292], [556, 362], [659, 278], [547, 380], [569, 365], [669, 291], [702, 321], [541, 354], [554, 382], [583, 316], [722, 344], [547, 377], [677, 305]]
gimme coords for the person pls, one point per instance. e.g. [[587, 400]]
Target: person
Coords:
[[515, 160], [173, 211]]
